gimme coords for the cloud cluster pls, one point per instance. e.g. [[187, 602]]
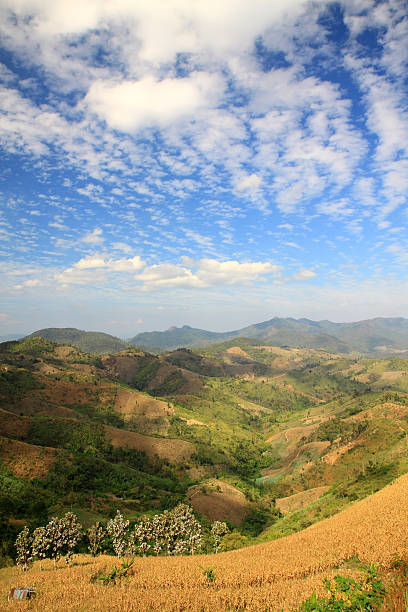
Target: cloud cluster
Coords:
[[212, 137], [201, 274]]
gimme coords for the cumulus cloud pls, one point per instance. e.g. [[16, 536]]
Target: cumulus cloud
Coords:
[[212, 271], [168, 276], [130, 105], [249, 183], [189, 274], [93, 237], [304, 274], [116, 265]]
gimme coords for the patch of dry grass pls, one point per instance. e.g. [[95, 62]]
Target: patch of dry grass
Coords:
[[174, 450], [26, 460]]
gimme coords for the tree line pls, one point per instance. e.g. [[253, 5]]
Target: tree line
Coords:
[[173, 532]]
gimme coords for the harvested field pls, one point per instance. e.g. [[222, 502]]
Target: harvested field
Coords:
[[26, 460], [336, 453], [174, 450], [46, 368], [293, 435], [392, 376], [32, 405], [275, 575], [65, 351], [136, 405], [13, 426], [219, 501], [300, 500], [236, 350]]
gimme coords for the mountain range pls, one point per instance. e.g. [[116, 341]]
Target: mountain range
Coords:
[[379, 335], [376, 337]]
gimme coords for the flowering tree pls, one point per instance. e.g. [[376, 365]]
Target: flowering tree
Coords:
[[39, 545], [141, 537], [117, 529], [23, 546], [218, 530], [61, 536], [176, 531], [96, 536], [72, 533]]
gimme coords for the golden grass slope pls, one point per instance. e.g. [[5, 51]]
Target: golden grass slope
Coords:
[[27, 460], [299, 500], [218, 501], [272, 576], [174, 450]]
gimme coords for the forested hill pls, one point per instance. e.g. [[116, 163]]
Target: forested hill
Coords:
[[88, 341]]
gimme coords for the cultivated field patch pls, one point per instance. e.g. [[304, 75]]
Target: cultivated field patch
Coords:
[[219, 501]]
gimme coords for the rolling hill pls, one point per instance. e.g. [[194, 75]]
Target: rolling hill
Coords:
[[88, 341]]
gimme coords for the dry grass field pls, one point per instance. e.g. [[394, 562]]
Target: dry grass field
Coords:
[[272, 576], [298, 500], [174, 450], [26, 460], [219, 501]]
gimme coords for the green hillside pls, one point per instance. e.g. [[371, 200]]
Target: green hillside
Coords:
[[177, 337], [91, 342]]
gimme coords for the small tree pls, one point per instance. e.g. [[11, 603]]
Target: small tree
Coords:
[[23, 546], [61, 535], [141, 537], [218, 530], [117, 529], [53, 539], [180, 530], [72, 533], [39, 545], [96, 536]]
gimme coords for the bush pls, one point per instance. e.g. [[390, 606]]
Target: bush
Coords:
[[348, 594]]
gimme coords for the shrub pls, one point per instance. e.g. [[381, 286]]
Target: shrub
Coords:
[[23, 546], [348, 594], [117, 529], [218, 530], [96, 536]]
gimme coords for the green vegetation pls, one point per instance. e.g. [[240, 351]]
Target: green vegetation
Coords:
[[349, 594], [115, 575], [272, 422], [91, 342]]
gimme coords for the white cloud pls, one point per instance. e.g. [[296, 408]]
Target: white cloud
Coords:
[[249, 183], [123, 264], [213, 272], [168, 275], [132, 105], [94, 237], [304, 274]]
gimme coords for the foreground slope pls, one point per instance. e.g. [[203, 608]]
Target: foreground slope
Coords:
[[271, 576]]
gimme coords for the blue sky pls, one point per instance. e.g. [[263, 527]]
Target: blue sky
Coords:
[[205, 163]]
